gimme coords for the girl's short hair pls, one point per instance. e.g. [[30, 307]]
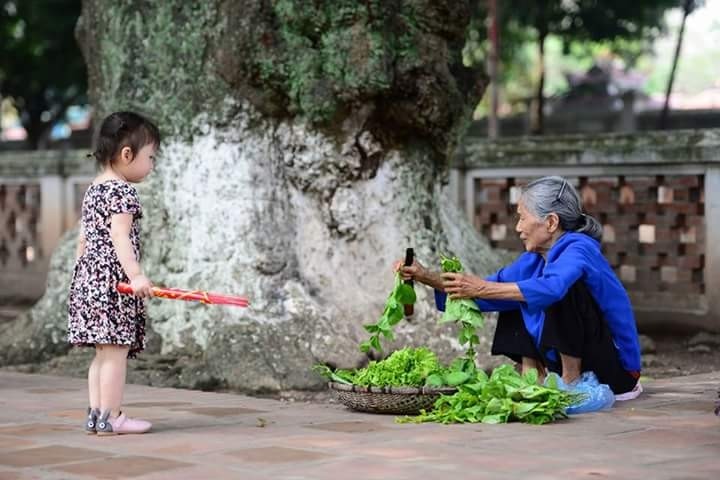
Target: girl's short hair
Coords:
[[124, 129]]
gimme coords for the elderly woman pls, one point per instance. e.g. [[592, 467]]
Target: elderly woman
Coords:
[[562, 308]]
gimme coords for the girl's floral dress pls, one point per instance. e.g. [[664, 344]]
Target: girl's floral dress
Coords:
[[98, 314]]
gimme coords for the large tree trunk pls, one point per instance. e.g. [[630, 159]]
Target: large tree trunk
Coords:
[[306, 146]]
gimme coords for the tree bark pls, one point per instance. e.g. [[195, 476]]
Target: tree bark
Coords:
[[493, 69], [538, 123], [662, 121], [306, 146]]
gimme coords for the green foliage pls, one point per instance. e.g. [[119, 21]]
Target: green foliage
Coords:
[[340, 375], [450, 264], [414, 367], [504, 396], [464, 312], [41, 66], [402, 294], [408, 367], [581, 29], [459, 372]]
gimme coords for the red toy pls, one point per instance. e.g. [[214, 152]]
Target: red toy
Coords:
[[190, 295]]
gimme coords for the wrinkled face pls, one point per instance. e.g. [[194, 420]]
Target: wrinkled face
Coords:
[[535, 233], [136, 168]]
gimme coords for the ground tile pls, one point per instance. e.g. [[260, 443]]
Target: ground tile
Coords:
[[276, 455], [124, 467], [159, 404], [219, 411], [348, 427], [52, 454], [36, 429], [13, 443]]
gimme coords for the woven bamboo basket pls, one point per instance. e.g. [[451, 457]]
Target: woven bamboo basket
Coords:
[[394, 400]]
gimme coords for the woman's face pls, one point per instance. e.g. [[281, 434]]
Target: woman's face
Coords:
[[537, 234]]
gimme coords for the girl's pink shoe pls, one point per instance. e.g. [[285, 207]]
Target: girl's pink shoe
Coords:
[[120, 425]]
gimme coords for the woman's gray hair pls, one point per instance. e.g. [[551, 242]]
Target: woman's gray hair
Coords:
[[548, 195]]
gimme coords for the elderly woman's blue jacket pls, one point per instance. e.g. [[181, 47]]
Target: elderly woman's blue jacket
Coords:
[[573, 257]]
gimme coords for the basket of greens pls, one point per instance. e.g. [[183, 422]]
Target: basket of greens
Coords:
[[460, 393], [414, 383], [408, 381]]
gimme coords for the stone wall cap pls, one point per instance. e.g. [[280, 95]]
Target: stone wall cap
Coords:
[[652, 147], [35, 163]]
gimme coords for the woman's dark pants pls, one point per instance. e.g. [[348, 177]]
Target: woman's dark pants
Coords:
[[573, 326]]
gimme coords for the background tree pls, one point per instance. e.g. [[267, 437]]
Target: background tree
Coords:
[[688, 7], [41, 67], [307, 145], [628, 26]]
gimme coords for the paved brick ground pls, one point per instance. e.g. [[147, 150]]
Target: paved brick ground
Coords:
[[670, 432]]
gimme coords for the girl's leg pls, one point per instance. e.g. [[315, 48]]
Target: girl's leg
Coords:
[[94, 378], [112, 377], [111, 420]]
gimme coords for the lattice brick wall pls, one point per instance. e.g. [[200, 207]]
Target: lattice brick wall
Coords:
[[20, 244], [654, 227]]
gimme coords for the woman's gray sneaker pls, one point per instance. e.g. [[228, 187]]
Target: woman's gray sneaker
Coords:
[[91, 420]]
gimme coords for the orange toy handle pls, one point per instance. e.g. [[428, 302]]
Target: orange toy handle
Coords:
[[124, 288]]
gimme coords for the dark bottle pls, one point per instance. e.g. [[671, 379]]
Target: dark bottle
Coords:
[[409, 258]]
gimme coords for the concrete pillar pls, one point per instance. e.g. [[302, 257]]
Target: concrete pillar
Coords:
[[52, 216], [712, 239], [469, 194], [75, 187]]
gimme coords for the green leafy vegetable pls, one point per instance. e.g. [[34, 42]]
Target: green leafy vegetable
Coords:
[[402, 294], [340, 376], [464, 312], [408, 367], [503, 397]]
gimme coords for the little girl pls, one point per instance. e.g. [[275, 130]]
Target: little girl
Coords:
[[108, 252]]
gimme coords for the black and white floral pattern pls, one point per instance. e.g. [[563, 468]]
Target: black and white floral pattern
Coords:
[[98, 314]]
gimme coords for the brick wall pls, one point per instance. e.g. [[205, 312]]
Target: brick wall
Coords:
[[659, 236], [653, 229]]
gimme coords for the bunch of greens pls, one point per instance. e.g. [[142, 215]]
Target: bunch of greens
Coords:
[[462, 370], [402, 294], [502, 397], [464, 312], [408, 367]]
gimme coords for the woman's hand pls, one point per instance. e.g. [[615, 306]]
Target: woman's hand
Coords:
[[418, 273], [141, 286], [412, 272], [463, 285]]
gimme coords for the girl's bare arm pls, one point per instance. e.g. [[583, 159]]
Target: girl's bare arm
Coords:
[[120, 226], [80, 249]]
